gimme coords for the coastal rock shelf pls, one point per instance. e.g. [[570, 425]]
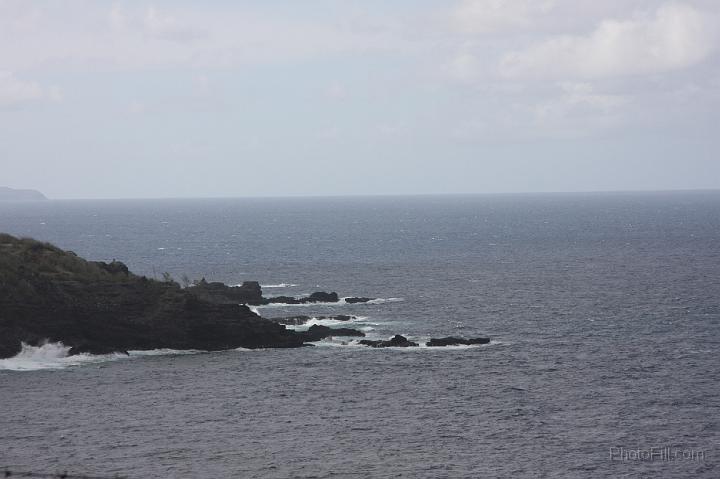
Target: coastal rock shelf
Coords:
[[93, 307], [250, 292]]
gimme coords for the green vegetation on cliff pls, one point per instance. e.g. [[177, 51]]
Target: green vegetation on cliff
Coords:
[[50, 294]]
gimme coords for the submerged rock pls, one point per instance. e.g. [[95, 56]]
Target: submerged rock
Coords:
[[453, 341], [317, 297], [397, 341], [356, 299], [322, 297], [318, 332]]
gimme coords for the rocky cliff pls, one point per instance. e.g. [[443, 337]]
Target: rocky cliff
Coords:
[[50, 294]]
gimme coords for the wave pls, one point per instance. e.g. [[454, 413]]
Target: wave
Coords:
[[51, 356], [268, 286], [326, 322], [341, 302], [380, 300], [55, 356], [339, 342]]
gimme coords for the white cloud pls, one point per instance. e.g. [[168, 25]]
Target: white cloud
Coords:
[[584, 95], [676, 36], [490, 16], [168, 27], [15, 92], [564, 110], [94, 36], [465, 67]]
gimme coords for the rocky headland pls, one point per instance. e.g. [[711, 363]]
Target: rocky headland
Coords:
[[12, 194], [47, 294]]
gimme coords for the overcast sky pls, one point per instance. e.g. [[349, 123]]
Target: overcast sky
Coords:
[[268, 98]]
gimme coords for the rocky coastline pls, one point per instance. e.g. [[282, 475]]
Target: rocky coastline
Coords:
[[51, 295]]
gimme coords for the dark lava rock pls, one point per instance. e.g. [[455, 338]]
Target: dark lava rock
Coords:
[[49, 294], [291, 320], [396, 341], [9, 347], [322, 297], [452, 341], [355, 299], [94, 349], [249, 292], [282, 300], [318, 332], [317, 297]]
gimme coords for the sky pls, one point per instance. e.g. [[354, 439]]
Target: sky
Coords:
[[275, 98]]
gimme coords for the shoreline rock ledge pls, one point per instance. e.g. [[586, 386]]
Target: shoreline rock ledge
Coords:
[[47, 294]]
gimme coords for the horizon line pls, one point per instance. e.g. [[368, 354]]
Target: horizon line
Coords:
[[389, 195]]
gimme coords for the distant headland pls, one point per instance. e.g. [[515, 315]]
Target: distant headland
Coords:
[[11, 194]]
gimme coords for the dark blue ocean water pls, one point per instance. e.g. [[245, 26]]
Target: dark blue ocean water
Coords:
[[604, 310]]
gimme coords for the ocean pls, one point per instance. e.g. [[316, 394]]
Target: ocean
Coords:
[[603, 310]]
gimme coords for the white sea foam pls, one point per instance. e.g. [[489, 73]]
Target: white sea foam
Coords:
[[341, 302], [55, 356], [163, 352], [51, 356], [340, 342], [324, 322], [278, 285], [381, 300]]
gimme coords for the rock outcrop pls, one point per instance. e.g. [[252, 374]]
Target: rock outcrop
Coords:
[[318, 332], [452, 341], [47, 294], [317, 297], [249, 292], [403, 342], [50, 294], [396, 341], [356, 299]]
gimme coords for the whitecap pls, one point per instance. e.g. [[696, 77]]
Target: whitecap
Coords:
[[55, 356], [279, 285], [51, 356], [381, 300], [324, 322], [341, 302]]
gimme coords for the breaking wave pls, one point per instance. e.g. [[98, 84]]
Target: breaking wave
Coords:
[[55, 356], [327, 322], [341, 302], [279, 285]]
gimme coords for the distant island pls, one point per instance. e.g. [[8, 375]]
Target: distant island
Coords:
[[11, 194]]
